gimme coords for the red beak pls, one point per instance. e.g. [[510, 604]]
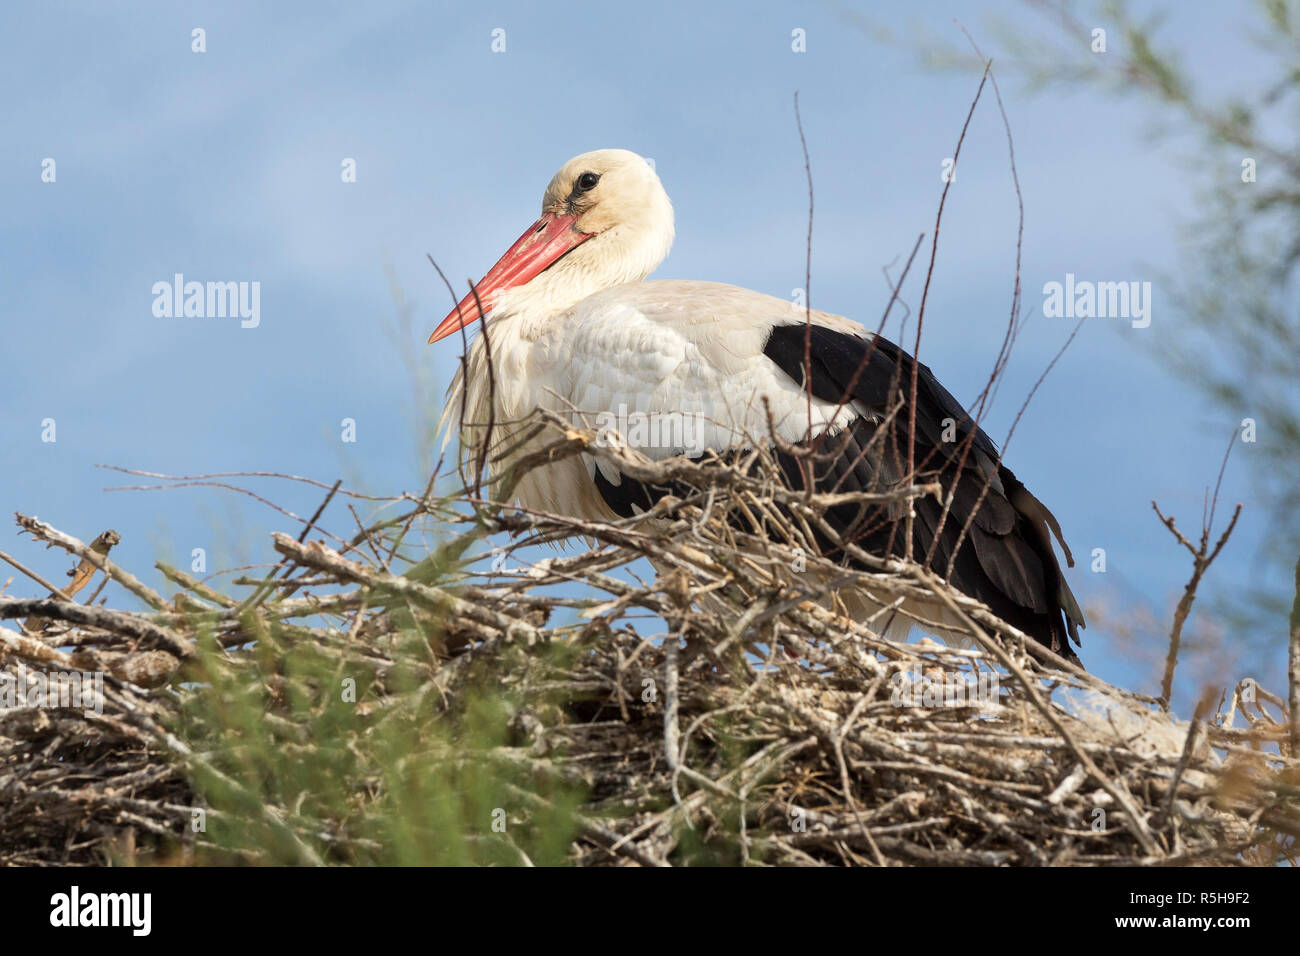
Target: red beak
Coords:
[[536, 250]]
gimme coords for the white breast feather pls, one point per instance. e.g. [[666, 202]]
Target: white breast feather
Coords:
[[651, 348]]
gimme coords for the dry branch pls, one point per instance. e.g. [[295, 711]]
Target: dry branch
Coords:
[[726, 701]]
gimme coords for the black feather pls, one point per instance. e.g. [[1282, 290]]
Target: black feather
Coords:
[[1005, 557]]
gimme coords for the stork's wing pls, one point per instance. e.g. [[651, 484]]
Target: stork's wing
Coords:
[[714, 352], [996, 536]]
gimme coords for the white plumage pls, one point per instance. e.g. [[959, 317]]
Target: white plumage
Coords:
[[686, 350], [573, 328]]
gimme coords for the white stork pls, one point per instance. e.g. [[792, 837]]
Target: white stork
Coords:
[[576, 329]]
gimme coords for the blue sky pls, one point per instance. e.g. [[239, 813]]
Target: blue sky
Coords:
[[225, 166]]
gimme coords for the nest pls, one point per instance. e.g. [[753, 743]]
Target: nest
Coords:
[[718, 713]]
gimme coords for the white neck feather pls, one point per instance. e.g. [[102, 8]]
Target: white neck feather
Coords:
[[626, 252]]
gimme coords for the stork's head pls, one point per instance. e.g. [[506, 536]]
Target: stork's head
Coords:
[[605, 220]]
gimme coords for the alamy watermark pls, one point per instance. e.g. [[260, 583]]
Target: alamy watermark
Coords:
[[76, 690], [935, 689], [676, 431], [1084, 299], [133, 911], [209, 300]]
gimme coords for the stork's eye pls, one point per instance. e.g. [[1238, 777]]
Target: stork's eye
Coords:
[[587, 182]]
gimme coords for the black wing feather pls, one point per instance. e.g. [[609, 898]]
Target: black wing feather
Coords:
[[1005, 557]]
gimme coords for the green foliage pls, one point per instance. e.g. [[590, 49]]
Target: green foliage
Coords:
[[397, 776]]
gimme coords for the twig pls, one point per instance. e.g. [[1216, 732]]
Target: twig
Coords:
[[1202, 558]]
